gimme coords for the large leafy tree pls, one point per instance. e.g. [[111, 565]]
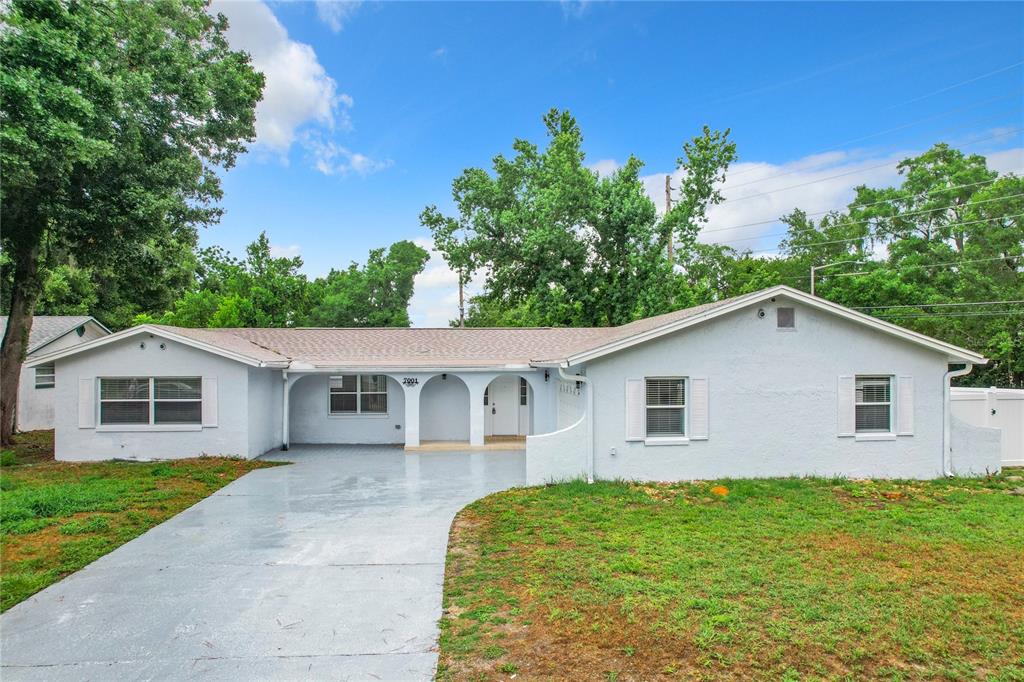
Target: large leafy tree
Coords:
[[115, 119], [375, 295], [558, 244]]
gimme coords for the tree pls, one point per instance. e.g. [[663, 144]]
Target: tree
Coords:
[[376, 295], [561, 246], [116, 117]]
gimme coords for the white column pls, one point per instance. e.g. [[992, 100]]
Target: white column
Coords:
[[287, 384], [412, 415], [476, 412]]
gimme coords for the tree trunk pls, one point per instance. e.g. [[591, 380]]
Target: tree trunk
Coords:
[[24, 294]]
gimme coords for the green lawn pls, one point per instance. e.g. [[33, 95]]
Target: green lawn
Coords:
[[770, 579], [56, 517]]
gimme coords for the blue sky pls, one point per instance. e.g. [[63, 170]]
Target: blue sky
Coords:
[[372, 108]]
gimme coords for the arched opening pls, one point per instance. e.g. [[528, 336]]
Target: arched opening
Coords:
[[508, 407], [444, 409], [346, 408]]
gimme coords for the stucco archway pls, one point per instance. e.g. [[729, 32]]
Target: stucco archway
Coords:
[[508, 406], [444, 409]]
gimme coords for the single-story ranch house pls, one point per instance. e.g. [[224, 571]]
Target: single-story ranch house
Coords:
[[772, 383], [49, 334]]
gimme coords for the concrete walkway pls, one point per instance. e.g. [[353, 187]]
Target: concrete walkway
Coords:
[[330, 568]]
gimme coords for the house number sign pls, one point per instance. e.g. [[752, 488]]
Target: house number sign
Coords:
[[410, 381]]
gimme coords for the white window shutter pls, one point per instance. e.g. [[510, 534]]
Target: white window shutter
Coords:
[[209, 401], [636, 422], [86, 403], [847, 401], [905, 406], [697, 404]]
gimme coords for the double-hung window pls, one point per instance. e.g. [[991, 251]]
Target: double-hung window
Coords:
[[666, 406], [46, 376], [359, 394], [151, 400], [873, 404]]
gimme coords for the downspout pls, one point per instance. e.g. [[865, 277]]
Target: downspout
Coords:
[[284, 411], [947, 417], [590, 418]]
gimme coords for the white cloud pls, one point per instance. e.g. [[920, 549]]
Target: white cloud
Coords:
[[604, 167], [336, 13], [440, 53], [280, 251], [298, 90], [761, 192], [574, 9], [301, 102], [435, 300], [331, 158]]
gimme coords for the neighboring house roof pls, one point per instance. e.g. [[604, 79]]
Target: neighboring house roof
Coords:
[[403, 347], [47, 328]]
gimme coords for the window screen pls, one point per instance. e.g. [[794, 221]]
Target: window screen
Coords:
[[151, 400], [124, 400], [45, 376], [666, 407], [786, 318], [874, 404], [359, 394]]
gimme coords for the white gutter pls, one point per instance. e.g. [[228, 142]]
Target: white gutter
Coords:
[[590, 418], [947, 417]]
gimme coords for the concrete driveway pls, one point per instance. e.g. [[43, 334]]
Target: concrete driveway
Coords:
[[330, 568]]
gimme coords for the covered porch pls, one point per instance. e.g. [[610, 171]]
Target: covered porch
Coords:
[[465, 409]]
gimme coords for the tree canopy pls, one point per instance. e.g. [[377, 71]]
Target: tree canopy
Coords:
[[560, 245], [116, 119]]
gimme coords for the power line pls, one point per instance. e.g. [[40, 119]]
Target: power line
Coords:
[[1012, 131], [868, 220], [812, 167], [996, 313], [954, 263], [856, 239], [933, 305], [957, 85], [852, 206]]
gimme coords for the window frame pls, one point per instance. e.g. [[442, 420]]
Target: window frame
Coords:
[[683, 435], [151, 402], [52, 374], [524, 392], [358, 393], [891, 402]]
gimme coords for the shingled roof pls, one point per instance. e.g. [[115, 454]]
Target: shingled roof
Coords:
[[46, 328], [422, 347], [449, 347]]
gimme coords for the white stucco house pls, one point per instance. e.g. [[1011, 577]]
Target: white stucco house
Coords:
[[773, 383], [50, 333]]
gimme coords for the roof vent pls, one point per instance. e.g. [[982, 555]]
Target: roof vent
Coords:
[[785, 318]]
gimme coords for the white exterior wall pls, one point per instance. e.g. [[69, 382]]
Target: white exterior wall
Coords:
[[311, 422], [772, 400], [266, 393], [445, 409], [35, 405], [127, 358], [558, 456], [1001, 408]]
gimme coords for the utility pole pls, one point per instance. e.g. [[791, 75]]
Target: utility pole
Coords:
[[462, 302], [668, 207]]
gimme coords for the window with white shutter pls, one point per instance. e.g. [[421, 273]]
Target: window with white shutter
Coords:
[[134, 401]]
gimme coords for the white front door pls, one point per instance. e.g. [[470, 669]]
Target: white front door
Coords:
[[502, 410]]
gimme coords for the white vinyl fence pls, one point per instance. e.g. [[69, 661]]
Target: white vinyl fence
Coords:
[[1002, 408]]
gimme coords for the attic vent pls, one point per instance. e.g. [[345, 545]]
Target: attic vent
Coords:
[[786, 318]]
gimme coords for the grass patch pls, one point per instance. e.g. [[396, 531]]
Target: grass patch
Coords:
[[768, 579], [56, 517]]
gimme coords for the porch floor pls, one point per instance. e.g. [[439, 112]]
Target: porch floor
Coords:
[[490, 443]]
